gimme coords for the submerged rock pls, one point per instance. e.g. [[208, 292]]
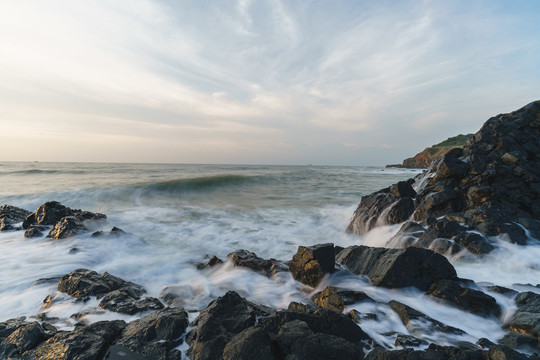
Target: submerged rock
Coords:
[[526, 319], [214, 260], [311, 263], [11, 215], [419, 323], [248, 259], [397, 268]]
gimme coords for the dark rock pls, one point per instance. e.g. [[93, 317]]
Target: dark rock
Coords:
[[464, 298], [396, 268], [493, 184], [84, 343], [214, 260], [406, 341], [216, 325], [10, 215], [501, 352], [156, 334], [311, 263], [21, 340], [34, 231], [319, 320], [83, 283], [485, 343], [406, 236], [125, 302], [475, 243], [520, 341], [297, 340], [502, 290], [433, 352], [387, 206], [336, 298], [119, 352], [526, 319], [66, 227], [250, 260], [114, 233], [252, 343], [418, 322], [47, 214]]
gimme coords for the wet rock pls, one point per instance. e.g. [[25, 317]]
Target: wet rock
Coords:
[[114, 233], [433, 352], [475, 243], [502, 352], [407, 235], [502, 290], [526, 319], [392, 205], [311, 263], [156, 334], [470, 300], [396, 268], [22, 339], [125, 302], [83, 283], [34, 231], [250, 260], [216, 325], [520, 342], [47, 214], [253, 343], [298, 341], [85, 342], [335, 299], [493, 183], [66, 227], [11, 215], [419, 323], [406, 341], [214, 260]]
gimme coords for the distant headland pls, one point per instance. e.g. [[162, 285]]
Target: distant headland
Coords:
[[428, 155]]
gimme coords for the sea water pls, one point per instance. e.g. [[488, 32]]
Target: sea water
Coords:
[[177, 216]]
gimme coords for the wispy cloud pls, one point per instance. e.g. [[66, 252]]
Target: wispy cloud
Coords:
[[256, 81]]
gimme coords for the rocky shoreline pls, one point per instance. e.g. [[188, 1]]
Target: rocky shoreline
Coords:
[[488, 190]]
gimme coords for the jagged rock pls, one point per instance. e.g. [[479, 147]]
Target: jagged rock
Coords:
[[465, 298], [24, 338], [406, 341], [216, 325], [395, 268], [10, 215], [114, 233], [335, 299], [122, 301], [250, 260], [214, 260], [526, 319], [83, 283], [416, 321], [84, 343], [392, 205], [407, 235], [66, 227], [475, 243], [47, 214], [311, 263], [156, 334], [493, 184], [34, 231], [520, 341], [253, 343]]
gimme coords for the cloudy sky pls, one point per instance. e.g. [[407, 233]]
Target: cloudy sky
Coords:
[[348, 82]]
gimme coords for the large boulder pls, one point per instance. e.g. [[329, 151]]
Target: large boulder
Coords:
[[492, 185], [311, 263], [11, 215], [397, 268], [218, 324], [66, 227], [156, 335], [335, 299]]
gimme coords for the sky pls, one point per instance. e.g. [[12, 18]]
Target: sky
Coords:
[[341, 82]]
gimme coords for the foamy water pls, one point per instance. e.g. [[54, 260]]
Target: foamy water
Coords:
[[177, 215]]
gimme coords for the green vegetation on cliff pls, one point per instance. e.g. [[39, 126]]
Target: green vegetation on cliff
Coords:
[[424, 158]]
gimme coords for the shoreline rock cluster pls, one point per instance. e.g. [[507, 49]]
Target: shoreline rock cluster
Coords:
[[489, 188]]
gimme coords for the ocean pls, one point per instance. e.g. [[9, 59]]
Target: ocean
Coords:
[[177, 216]]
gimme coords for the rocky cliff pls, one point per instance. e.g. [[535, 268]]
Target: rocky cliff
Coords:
[[490, 186], [428, 155]]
